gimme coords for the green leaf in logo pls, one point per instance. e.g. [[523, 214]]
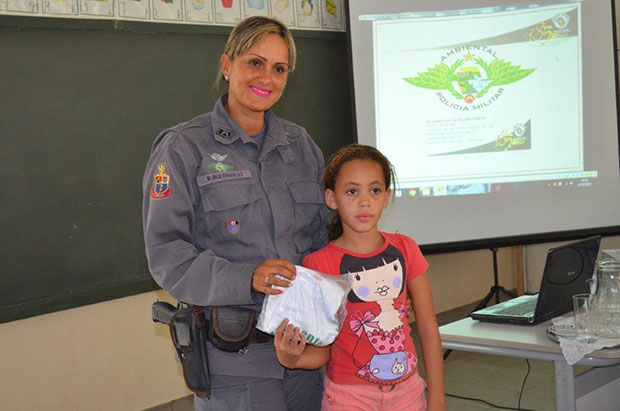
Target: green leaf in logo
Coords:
[[503, 72], [484, 65], [441, 76], [436, 78]]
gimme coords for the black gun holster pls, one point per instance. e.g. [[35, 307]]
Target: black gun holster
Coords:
[[189, 333]]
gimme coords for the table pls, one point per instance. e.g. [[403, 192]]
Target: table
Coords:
[[526, 341]]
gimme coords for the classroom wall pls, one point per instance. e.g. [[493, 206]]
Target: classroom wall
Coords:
[[106, 356]]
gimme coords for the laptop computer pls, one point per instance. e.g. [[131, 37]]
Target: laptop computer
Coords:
[[567, 269]]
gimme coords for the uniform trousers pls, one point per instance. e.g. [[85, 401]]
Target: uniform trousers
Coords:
[[297, 391]]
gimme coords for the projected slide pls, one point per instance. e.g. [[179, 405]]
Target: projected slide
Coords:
[[480, 97]]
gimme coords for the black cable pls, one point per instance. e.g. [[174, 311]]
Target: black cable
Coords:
[[523, 385], [499, 406]]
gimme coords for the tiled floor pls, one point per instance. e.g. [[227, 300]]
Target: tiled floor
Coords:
[[491, 378]]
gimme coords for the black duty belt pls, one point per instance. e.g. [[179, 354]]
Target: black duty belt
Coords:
[[257, 336]]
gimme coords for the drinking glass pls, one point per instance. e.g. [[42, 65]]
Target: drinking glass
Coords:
[[582, 304]]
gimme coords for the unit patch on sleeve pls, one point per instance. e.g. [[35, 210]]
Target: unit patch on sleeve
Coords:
[[161, 183]]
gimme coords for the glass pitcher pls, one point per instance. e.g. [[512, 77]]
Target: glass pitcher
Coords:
[[606, 301]]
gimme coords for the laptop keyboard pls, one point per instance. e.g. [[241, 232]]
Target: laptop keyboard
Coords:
[[521, 309]]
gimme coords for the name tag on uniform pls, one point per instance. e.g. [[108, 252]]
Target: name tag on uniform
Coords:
[[222, 176]]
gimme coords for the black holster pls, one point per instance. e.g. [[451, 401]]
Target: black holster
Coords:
[[189, 333]]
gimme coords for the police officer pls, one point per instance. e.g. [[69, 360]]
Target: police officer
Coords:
[[232, 200]]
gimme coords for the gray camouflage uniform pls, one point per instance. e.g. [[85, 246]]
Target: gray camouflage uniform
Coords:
[[226, 208]]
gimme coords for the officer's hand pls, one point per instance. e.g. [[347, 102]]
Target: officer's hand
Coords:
[[289, 343], [265, 276]]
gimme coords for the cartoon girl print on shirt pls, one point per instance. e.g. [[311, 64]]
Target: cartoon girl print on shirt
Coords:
[[379, 279]]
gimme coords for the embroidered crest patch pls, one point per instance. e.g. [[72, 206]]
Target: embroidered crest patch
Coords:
[[161, 183], [234, 226], [219, 166]]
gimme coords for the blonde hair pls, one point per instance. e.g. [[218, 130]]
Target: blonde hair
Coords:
[[249, 32]]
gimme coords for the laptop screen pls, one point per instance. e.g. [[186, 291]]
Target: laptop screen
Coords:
[[566, 270]]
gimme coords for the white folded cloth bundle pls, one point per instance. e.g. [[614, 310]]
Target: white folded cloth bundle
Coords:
[[315, 302]]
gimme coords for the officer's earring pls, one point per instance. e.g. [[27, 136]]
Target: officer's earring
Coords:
[[226, 78]]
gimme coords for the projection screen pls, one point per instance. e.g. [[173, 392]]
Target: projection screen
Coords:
[[500, 118]]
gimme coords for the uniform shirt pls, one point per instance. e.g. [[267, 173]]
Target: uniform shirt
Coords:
[[215, 206], [374, 345]]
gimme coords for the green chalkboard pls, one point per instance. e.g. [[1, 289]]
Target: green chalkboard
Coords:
[[80, 105]]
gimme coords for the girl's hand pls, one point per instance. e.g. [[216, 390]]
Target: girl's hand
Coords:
[[289, 343], [271, 272]]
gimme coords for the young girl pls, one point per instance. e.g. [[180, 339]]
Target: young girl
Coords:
[[372, 364]]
